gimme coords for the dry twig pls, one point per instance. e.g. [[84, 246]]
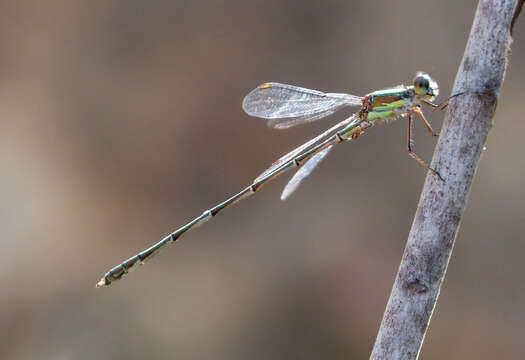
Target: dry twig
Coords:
[[441, 205]]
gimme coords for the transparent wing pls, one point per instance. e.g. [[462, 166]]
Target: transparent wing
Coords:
[[294, 153], [303, 172], [287, 105]]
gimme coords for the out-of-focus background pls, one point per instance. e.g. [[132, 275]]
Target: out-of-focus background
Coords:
[[122, 120]]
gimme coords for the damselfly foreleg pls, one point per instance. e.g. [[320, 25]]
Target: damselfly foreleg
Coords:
[[417, 110], [443, 105]]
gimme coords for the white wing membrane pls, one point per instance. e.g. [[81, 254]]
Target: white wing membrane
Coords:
[[294, 153], [303, 172], [287, 105]]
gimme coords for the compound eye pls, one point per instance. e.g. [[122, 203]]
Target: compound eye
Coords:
[[421, 84]]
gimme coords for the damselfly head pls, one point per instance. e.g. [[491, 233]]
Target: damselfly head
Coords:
[[425, 86]]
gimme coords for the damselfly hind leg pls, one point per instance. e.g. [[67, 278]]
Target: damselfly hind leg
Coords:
[[412, 154]]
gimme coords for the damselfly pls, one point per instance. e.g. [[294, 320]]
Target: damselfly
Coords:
[[286, 106]]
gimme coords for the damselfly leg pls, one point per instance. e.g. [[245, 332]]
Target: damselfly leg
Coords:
[[410, 145]]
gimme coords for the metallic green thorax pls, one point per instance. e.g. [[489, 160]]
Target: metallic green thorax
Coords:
[[387, 103]]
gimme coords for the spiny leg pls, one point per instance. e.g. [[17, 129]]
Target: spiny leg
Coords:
[[412, 154], [442, 106], [417, 110]]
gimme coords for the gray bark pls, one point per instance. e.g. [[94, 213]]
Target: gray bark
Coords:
[[438, 216]]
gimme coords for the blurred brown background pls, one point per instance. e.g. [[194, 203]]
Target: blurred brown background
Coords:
[[121, 120]]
